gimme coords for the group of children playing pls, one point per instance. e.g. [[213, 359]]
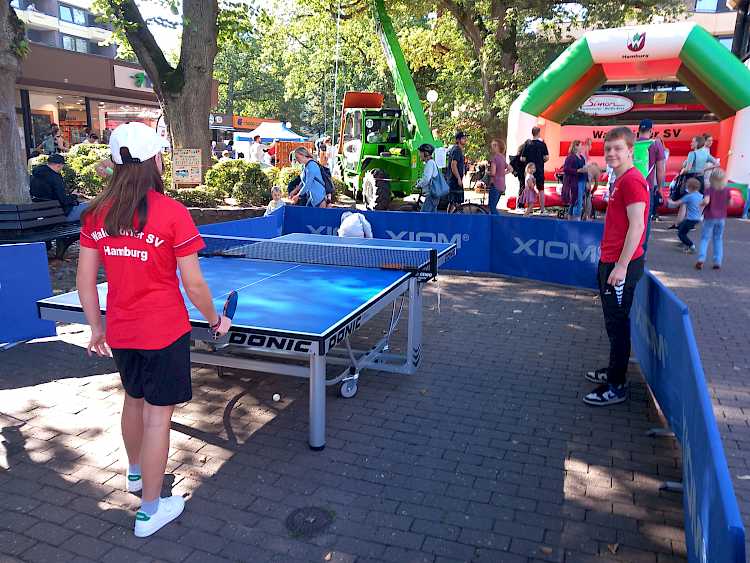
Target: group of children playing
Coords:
[[711, 209]]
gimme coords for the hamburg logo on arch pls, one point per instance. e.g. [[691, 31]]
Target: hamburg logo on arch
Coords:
[[637, 42]]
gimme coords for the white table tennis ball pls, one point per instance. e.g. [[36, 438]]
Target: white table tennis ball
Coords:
[[276, 397]]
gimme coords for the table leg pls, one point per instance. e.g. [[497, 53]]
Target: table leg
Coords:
[[317, 438], [414, 344]]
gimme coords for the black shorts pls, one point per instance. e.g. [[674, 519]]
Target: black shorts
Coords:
[[162, 377]]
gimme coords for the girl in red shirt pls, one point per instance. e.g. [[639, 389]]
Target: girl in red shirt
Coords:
[[142, 237]]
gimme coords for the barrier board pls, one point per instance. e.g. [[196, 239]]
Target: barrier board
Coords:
[[20, 287], [664, 343]]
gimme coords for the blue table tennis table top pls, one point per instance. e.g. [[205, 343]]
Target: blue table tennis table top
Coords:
[[304, 299]]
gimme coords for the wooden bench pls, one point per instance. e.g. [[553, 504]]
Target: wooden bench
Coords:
[[38, 222]]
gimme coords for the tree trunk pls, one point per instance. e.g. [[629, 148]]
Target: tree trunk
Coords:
[[184, 92], [14, 178]]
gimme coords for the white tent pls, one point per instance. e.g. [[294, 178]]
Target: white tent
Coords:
[[269, 131]]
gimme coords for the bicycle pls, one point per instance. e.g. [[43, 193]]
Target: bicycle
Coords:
[[465, 208]]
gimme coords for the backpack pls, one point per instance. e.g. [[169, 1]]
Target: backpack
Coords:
[[325, 173]]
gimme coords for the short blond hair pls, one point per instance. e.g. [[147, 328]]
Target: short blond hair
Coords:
[[717, 175]]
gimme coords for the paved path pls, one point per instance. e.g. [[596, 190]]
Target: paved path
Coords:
[[719, 304], [486, 455]]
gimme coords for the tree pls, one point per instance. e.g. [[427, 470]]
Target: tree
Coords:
[[14, 179], [500, 32], [184, 89]]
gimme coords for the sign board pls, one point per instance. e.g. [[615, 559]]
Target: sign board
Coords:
[[602, 105], [186, 166], [219, 121], [660, 98], [130, 78]]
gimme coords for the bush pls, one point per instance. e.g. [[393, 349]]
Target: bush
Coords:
[[200, 196], [286, 175], [166, 158], [224, 175], [255, 189], [246, 181], [273, 174], [83, 159]]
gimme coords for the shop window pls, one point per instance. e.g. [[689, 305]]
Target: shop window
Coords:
[[79, 44], [73, 15]]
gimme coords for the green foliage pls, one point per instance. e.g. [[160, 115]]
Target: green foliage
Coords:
[[82, 160], [272, 173], [222, 176], [286, 175], [166, 159], [255, 188], [199, 196]]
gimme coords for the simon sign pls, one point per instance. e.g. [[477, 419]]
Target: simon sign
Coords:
[[602, 105]]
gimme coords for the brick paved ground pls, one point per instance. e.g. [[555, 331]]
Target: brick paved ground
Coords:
[[719, 304], [486, 455]]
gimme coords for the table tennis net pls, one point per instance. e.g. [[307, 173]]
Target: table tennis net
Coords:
[[423, 260]]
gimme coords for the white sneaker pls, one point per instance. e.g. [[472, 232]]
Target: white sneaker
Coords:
[[133, 483], [169, 509]]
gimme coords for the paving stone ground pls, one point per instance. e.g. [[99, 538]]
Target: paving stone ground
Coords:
[[719, 304], [486, 455]]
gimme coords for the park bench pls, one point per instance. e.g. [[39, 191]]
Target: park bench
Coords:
[[38, 222]]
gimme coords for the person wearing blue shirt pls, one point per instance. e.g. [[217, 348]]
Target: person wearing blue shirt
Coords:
[[693, 202], [311, 180]]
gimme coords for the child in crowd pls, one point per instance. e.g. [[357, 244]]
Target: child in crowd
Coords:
[[716, 202], [354, 225], [276, 201], [594, 171], [530, 193], [693, 202]]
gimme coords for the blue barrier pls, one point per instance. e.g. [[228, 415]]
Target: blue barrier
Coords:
[[21, 285], [664, 343], [258, 227], [547, 250], [542, 249], [470, 233]]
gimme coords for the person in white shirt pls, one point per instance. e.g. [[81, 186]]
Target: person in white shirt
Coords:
[[354, 225], [257, 150], [276, 201]]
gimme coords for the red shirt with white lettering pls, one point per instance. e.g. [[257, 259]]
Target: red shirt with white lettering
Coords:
[[629, 188], [145, 309]]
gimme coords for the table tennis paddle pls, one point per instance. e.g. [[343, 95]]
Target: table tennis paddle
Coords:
[[230, 306]]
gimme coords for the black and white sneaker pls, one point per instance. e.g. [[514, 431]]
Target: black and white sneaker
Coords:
[[606, 395], [599, 376]]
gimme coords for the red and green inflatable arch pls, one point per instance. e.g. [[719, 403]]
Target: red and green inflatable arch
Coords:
[[682, 51]]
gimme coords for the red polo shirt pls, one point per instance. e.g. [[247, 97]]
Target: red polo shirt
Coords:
[[145, 309], [629, 188]]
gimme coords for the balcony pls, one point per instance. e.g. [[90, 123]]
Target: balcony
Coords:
[[38, 20]]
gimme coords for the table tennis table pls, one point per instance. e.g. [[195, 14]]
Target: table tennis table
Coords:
[[301, 299]]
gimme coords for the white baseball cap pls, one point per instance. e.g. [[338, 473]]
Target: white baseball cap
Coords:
[[142, 141]]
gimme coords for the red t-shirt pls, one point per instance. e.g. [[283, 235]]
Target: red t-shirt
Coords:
[[145, 309], [629, 188]]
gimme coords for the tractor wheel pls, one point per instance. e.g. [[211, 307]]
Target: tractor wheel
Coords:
[[376, 190]]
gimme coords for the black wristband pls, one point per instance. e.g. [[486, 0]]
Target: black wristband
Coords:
[[217, 325]]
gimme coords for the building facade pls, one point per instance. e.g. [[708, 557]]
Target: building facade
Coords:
[[71, 76]]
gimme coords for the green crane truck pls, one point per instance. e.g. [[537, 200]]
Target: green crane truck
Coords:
[[377, 149]]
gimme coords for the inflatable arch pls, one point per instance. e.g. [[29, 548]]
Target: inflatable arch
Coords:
[[682, 51]]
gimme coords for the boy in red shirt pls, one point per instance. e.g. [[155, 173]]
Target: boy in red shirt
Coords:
[[621, 264], [142, 237]]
